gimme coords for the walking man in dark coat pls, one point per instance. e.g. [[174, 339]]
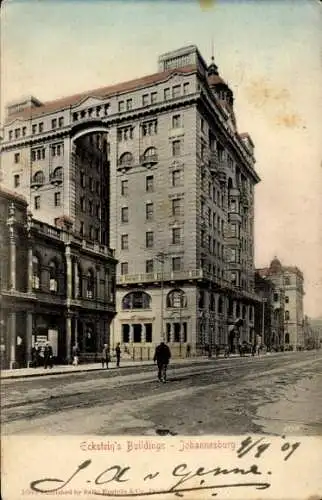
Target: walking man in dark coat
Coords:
[[48, 356], [118, 354], [162, 356]]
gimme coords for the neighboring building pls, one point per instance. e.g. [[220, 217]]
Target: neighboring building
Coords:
[[288, 298], [180, 178], [312, 333], [53, 286], [269, 315]]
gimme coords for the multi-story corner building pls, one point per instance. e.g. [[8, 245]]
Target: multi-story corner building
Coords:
[[269, 313], [288, 298], [54, 286], [181, 188]]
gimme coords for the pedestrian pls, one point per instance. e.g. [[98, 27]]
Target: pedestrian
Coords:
[[75, 354], [105, 356], [118, 354], [48, 355], [258, 349], [162, 356], [226, 352], [253, 349], [35, 356], [188, 350]]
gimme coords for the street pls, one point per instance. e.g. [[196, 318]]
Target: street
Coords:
[[271, 394]]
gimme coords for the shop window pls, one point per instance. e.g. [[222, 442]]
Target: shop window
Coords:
[[53, 281], [137, 333], [90, 284], [125, 333], [148, 332], [35, 273]]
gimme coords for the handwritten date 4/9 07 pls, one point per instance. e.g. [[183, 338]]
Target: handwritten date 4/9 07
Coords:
[[182, 479]]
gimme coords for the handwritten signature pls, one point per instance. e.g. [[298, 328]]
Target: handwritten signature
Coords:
[[183, 479], [181, 473]]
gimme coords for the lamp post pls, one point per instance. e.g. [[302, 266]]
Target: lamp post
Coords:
[[160, 257]]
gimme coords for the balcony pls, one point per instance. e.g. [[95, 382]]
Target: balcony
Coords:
[[97, 248], [149, 159], [191, 275], [36, 183], [56, 177]]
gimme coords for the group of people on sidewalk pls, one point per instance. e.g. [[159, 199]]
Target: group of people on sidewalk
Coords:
[[42, 356]]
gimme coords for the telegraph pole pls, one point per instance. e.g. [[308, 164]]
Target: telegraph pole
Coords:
[[161, 256]]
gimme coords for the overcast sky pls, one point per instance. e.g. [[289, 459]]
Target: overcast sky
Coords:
[[269, 52]]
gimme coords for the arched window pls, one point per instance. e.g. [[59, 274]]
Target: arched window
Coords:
[[35, 272], [287, 338], [176, 298], [150, 154], [53, 276], [39, 178], [58, 173], [136, 300], [90, 284], [126, 159]]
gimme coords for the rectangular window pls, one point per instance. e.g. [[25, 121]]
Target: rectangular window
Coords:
[[176, 235], [149, 211], [145, 100], [149, 266], [176, 91], [54, 123], [176, 263], [149, 239], [149, 184], [286, 299], [57, 199], [82, 180], [124, 188], [202, 124], [61, 121], [176, 178], [37, 202], [154, 97], [176, 121], [24, 131], [81, 228], [124, 268], [186, 88], [41, 127], [90, 207], [17, 133], [148, 332], [91, 184], [129, 104], [125, 214], [34, 129], [124, 241], [16, 180], [176, 207], [17, 158], [82, 204], [166, 94], [121, 106], [176, 148]]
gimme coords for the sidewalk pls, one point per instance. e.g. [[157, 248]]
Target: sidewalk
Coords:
[[125, 363], [63, 369]]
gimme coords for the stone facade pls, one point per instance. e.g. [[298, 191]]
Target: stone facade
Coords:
[[54, 286], [156, 169], [288, 296]]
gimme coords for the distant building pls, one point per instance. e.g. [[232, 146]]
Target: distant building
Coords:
[[269, 316], [54, 287], [288, 296]]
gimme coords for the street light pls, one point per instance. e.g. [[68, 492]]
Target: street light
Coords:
[[160, 257]]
